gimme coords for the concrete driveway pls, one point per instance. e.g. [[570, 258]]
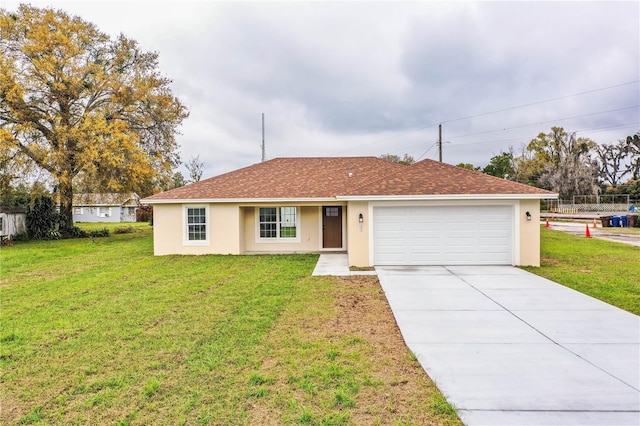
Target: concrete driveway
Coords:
[[507, 347]]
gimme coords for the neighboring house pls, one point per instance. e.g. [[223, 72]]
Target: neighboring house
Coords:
[[379, 212], [105, 207], [13, 220]]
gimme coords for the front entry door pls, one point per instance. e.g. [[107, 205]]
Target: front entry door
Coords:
[[332, 227]]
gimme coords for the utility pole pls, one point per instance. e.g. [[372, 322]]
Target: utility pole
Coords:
[[440, 142], [264, 156]]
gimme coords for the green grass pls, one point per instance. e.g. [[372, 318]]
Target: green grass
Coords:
[[605, 270], [102, 332]]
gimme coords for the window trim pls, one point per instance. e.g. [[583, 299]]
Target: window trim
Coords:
[[278, 239], [103, 208], [185, 225]]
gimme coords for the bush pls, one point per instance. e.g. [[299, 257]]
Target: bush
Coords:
[[78, 233], [124, 230], [43, 219], [104, 232], [21, 236]]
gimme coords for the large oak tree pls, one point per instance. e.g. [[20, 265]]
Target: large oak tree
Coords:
[[93, 111], [568, 168]]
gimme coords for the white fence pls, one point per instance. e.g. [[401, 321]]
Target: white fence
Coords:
[[592, 203]]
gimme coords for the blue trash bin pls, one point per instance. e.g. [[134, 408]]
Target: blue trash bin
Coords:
[[615, 221], [623, 220]]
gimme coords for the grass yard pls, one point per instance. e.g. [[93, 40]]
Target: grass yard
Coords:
[[605, 270], [102, 332]]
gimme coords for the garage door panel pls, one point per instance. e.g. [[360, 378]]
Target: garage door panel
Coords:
[[443, 235]]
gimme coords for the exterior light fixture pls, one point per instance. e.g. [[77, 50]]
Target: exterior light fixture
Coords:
[[528, 215], [360, 218]]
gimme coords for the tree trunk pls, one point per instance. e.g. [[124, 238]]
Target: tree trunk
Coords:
[[66, 206]]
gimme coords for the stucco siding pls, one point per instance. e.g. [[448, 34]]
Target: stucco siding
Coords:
[[234, 229], [167, 229], [308, 231], [358, 233], [224, 220], [529, 233]]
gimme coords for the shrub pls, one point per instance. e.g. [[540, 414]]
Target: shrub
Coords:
[[124, 230], [43, 219], [21, 236], [78, 233], [104, 232]]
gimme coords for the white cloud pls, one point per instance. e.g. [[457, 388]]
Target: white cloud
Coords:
[[358, 78]]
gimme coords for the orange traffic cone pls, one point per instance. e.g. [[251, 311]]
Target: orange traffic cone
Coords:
[[595, 225], [547, 225], [588, 235]]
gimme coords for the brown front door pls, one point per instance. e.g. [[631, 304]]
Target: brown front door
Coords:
[[332, 227]]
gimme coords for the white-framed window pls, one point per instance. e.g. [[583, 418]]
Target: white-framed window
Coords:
[[104, 211], [278, 223], [77, 210], [196, 231]]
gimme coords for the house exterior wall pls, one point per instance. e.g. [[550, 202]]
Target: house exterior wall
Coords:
[[358, 233], [169, 230], [309, 231], [90, 214], [233, 229], [529, 233], [128, 213]]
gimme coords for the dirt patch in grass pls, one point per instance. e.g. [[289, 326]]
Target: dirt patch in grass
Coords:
[[358, 369], [365, 312]]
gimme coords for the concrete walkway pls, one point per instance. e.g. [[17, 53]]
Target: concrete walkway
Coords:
[[336, 264], [507, 347]]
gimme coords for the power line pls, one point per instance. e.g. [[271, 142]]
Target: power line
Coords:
[[594, 130], [548, 121], [543, 101], [493, 112]]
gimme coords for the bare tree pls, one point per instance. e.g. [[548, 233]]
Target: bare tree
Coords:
[[194, 166], [612, 162], [407, 160], [633, 145], [568, 167]]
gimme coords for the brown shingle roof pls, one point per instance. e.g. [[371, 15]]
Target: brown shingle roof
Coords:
[[429, 177], [287, 178], [326, 177]]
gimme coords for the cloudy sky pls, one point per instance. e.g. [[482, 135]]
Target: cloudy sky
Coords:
[[369, 78]]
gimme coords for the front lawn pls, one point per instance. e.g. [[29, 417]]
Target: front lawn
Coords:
[[605, 270], [102, 332]]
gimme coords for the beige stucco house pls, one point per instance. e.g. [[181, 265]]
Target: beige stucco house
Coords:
[[379, 212]]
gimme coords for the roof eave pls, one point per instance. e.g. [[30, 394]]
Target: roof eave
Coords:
[[236, 200], [439, 197], [352, 198]]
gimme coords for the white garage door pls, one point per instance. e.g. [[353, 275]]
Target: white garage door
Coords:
[[473, 235]]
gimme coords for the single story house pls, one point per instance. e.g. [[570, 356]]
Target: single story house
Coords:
[[105, 207], [13, 220], [379, 212]]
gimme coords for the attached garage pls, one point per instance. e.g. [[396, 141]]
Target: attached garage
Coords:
[[443, 235]]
